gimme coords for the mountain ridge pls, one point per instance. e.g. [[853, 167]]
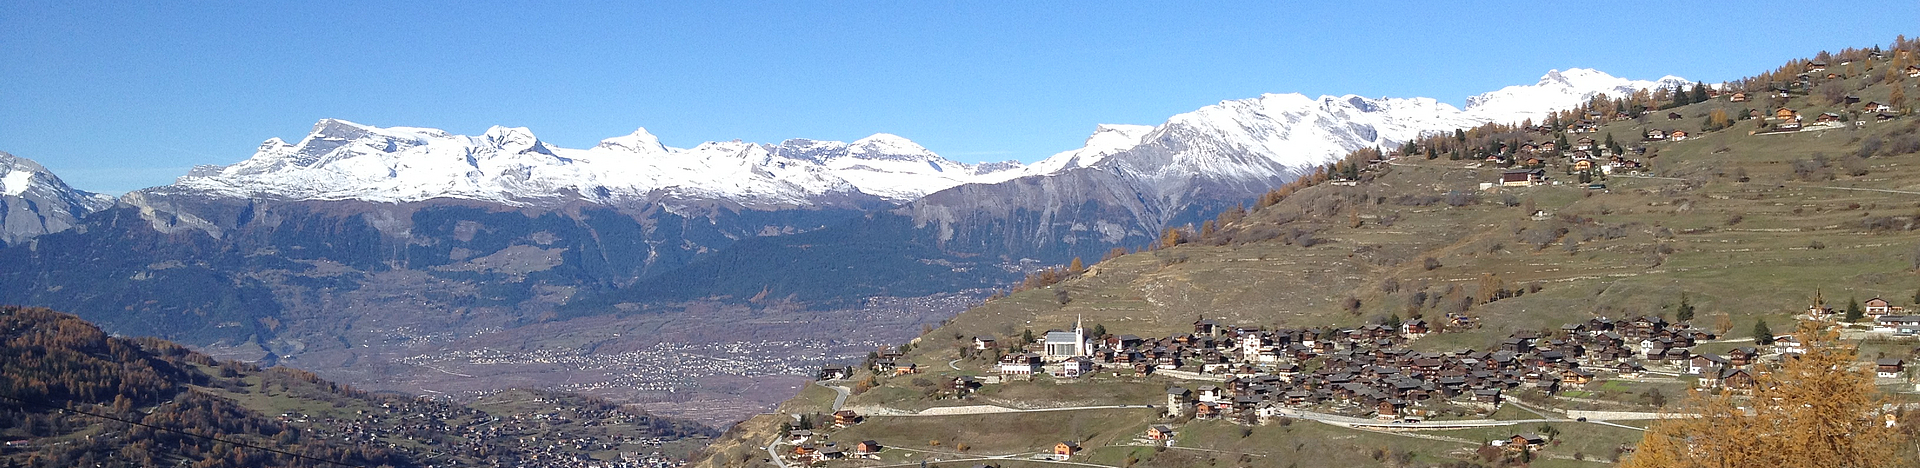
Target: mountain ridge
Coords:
[[510, 165]]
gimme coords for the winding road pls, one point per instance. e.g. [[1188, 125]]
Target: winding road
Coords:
[[840, 395]]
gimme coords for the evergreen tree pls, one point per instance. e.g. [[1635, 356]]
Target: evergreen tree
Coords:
[[1854, 312], [1026, 336], [1686, 309], [1099, 330], [1699, 92], [1761, 334]]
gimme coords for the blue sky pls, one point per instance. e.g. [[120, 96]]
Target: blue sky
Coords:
[[123, 95]]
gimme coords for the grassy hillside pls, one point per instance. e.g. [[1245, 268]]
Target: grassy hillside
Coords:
[[1746, 225], [1758, 249]]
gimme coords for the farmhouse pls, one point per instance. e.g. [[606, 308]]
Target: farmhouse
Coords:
[[1889, 368], [1523, 177], [1877, 307]]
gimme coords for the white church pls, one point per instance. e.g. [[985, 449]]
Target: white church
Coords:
[[1064, 345]]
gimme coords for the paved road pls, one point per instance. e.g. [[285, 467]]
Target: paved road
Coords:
[[1604, 423], [1645, 177], [1333, 419], [775, 455], [1865, 189], [955, 364], [990, 409], [839, 401], [840, 395], [998, 457]]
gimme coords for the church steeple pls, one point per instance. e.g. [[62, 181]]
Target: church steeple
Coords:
[[1079, 338]]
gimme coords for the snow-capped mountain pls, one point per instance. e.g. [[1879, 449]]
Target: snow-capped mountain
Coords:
[[1558, 90], [1250, 142], [1280, 135], [342, 160], [33, 201], [1129, 181]]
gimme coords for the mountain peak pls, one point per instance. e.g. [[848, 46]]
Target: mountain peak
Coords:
[[1556, 90], [336, 129], [640, 141], [888, 146], [273, 144], [50, 205], [515, 139]]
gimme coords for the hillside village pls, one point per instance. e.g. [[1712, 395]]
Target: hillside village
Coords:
[[1258, 375], [1389, 374]]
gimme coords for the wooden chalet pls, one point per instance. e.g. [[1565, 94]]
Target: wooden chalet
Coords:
[[1523, 177], [1889, 368], [984, 343], [845, 417], [1877, 307], [1159, 432], [1525, 441]]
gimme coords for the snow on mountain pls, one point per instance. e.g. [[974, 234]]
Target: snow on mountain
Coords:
[[1106, 140], [342, 160], [1247, 141], [1278, 135], [1555, 91], [33, 201]]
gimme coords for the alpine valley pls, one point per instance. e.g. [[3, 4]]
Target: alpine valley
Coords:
[[706, 282]]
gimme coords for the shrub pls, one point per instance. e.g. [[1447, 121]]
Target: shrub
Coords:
[[1462, 198], [1904, 144]]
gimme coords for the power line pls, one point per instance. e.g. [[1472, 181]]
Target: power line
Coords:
[[176, 431]]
